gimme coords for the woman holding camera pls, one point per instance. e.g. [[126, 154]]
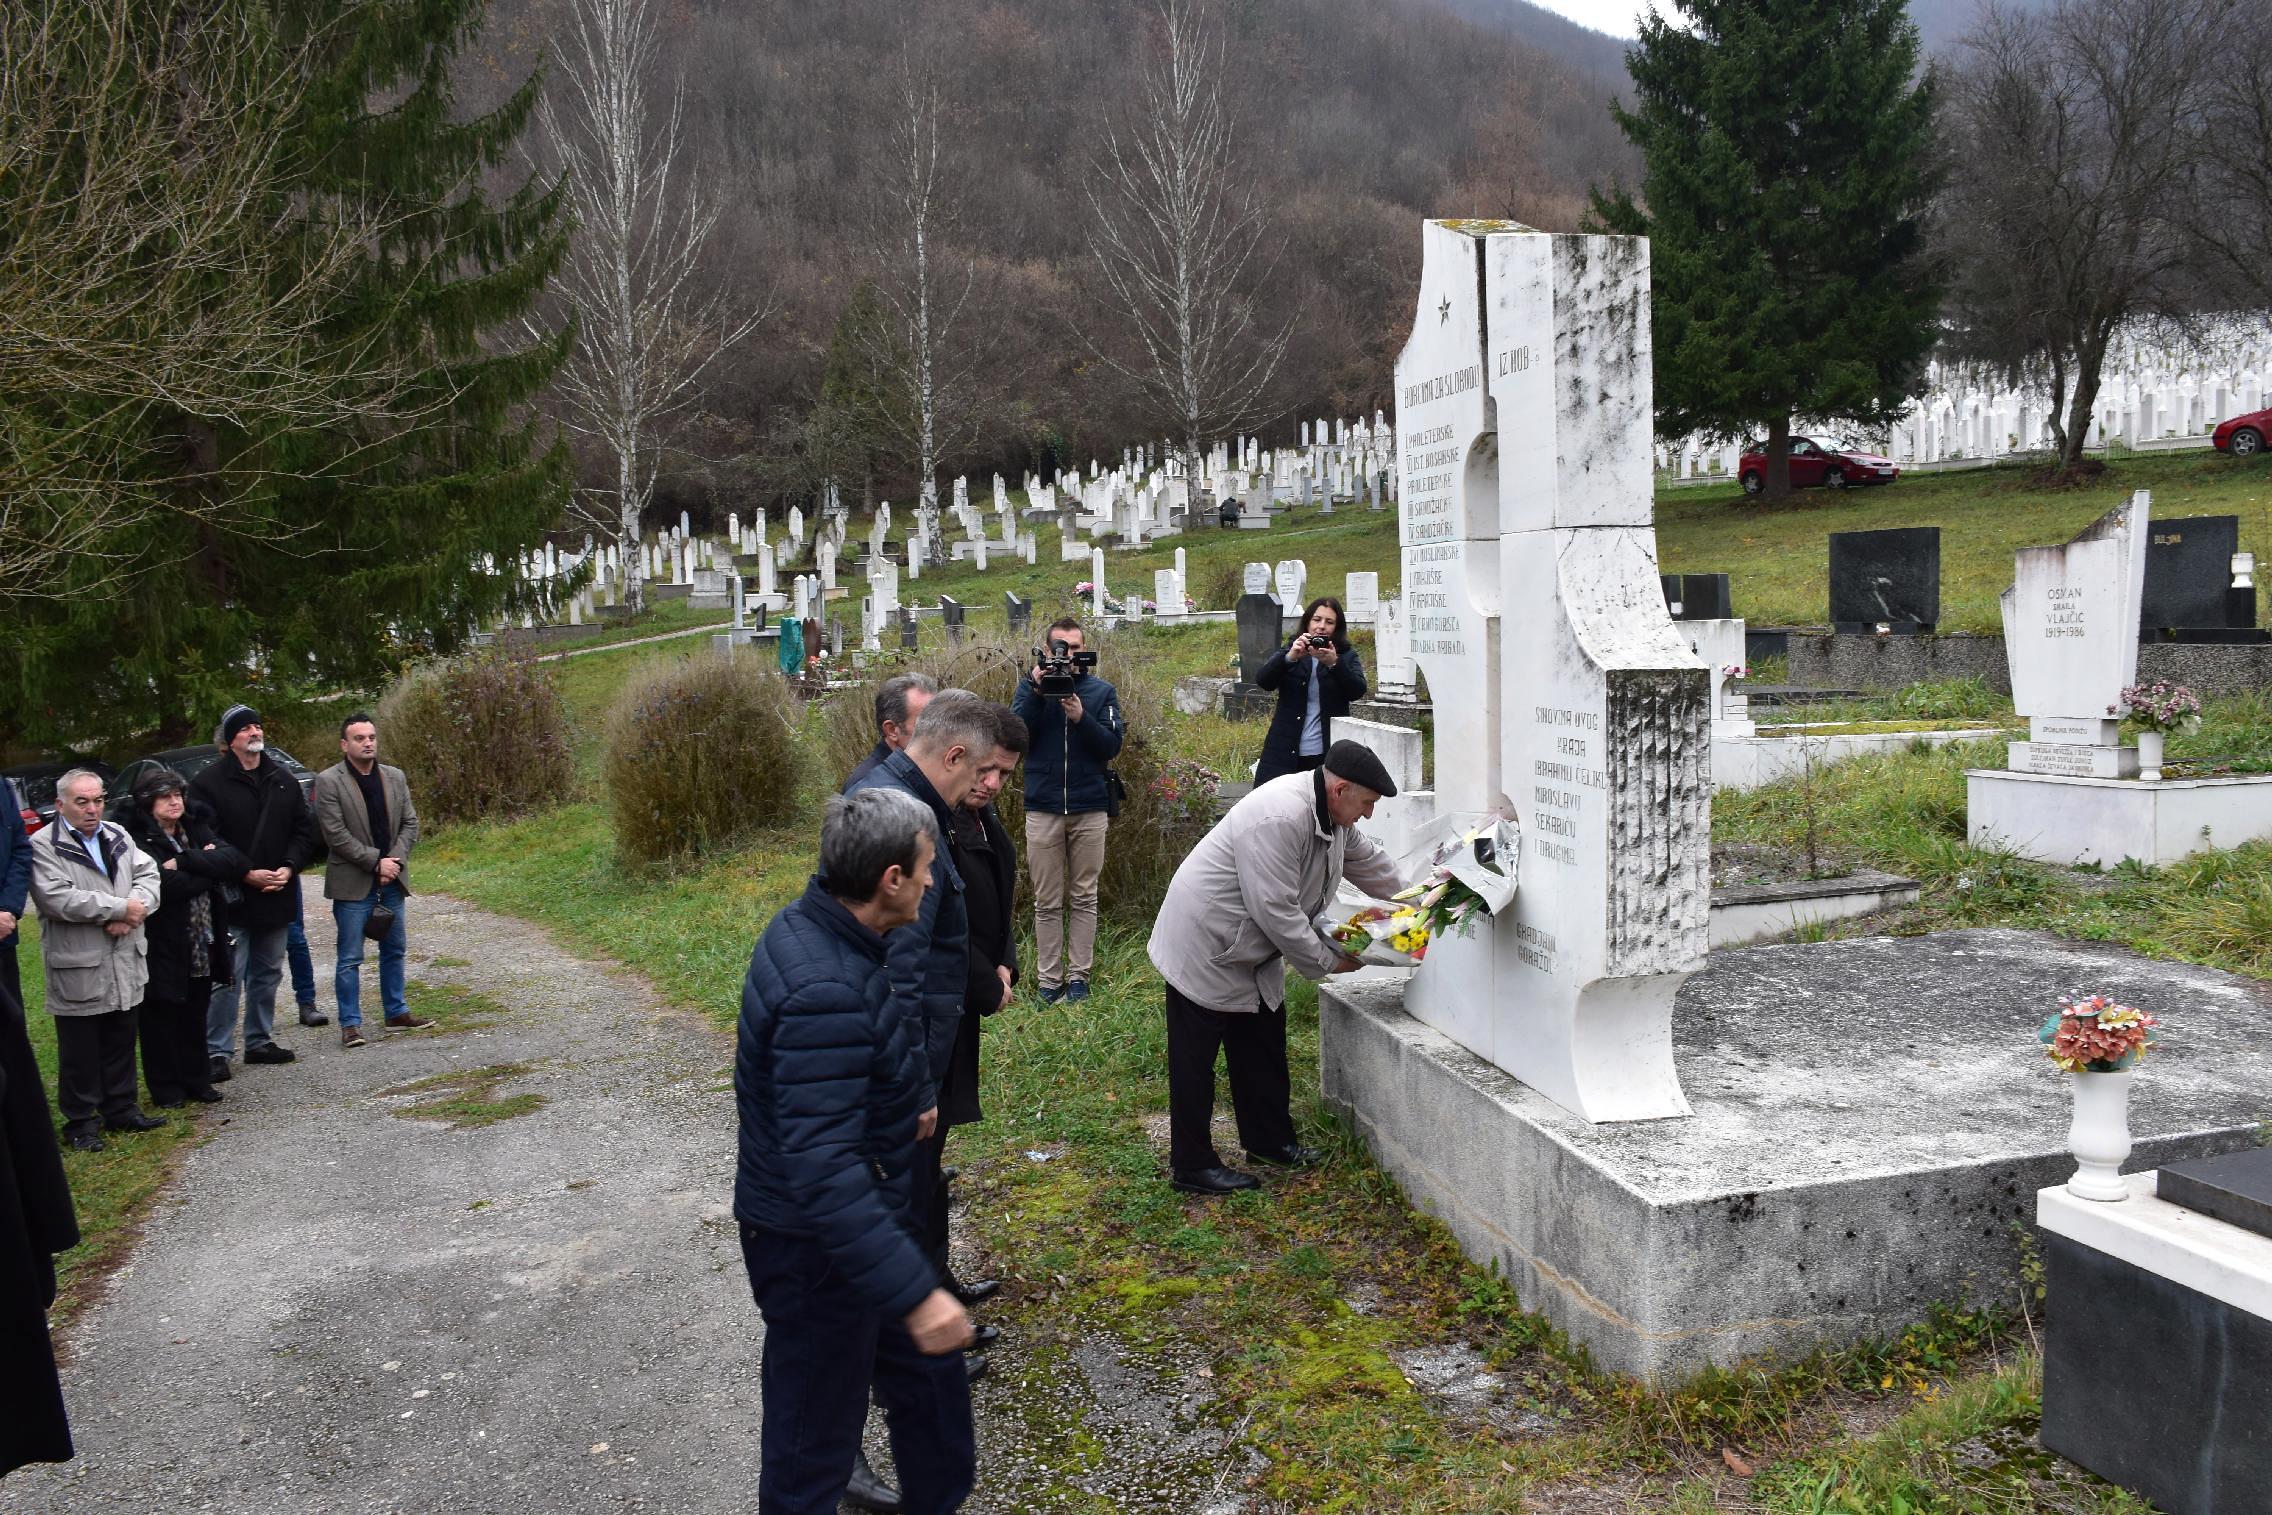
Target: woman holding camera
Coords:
[[1318, 675]]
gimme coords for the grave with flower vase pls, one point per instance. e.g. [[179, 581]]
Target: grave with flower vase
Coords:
[[1681, 1158], [2075, 792]]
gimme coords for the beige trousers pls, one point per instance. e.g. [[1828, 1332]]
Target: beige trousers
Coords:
[[1064, 853]]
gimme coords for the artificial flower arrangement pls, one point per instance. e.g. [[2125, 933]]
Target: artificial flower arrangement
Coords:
[[2095, 1035], [2160, 706], [1184, 790], [1735, 671]]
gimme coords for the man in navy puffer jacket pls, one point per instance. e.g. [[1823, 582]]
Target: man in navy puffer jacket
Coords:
[[833, 1096]]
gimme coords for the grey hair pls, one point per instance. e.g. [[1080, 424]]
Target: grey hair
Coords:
[[866, 832], [72, 776], [956, 718], [891, 697]]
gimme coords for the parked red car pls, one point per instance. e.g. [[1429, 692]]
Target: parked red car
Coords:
[[2243, 436], [1815, 463]]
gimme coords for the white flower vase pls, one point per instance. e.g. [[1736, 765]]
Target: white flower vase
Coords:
[[2099, 1135], [2150, 756]]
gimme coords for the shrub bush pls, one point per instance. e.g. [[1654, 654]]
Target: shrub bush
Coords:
[[701, 752], [484, 735]]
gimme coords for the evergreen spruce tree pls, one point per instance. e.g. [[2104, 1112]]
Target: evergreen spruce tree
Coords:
[[305, 557], [1787, 163]]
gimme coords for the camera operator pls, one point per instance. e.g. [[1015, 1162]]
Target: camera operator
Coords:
[[1073, 720], [1318, 675]]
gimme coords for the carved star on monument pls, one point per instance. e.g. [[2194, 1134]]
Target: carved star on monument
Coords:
[[1444, 311]]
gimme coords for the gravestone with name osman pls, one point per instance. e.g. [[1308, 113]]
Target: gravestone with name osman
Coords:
[[2071, 793]]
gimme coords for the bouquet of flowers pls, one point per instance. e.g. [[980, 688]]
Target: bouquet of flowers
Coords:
[[2096, 1035], [1184, 794], [1383, 935], [1473, 876], [2160, 706]]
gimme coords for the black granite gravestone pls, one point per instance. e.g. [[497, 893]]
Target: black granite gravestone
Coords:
[[2235, 1188], [2188, 571], [950, 611], [1889, 579], [1697, 596], [1020, 613], [907, 632], [1261, 632]]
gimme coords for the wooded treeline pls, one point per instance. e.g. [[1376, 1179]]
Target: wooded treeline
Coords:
[[1355, 119]]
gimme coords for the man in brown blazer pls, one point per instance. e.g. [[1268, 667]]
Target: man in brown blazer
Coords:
[[368, 824]]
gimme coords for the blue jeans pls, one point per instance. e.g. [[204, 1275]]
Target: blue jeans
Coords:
[[346, 979], [824, 1346], [260, 967], [296, 953]]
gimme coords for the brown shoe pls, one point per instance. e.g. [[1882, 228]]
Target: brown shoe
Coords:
[[352, 1036], [408, 1023]]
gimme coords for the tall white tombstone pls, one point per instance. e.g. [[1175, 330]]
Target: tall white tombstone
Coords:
[[1530, 570], [1167, 593], [1292, 576], [1393, 677], [2071, 639], [1361, 597], [1096, 581]]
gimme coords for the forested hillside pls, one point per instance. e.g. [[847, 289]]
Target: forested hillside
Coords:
[[1355, 117]]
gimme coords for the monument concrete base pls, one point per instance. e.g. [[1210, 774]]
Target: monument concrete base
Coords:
[[1749, 762], [2057, 819], [1872, 1120]]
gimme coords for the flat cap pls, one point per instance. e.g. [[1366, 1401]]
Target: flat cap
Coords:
[[1357, 763]]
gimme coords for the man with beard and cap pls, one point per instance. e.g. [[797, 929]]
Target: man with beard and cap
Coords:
[[259, 810], [1239, 912]]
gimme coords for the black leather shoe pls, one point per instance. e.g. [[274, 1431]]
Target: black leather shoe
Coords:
[[218, 1071], [868, 1492], [170, 1102], [86, 1141], [984, 1337], [1213, 1180], [205, 1094], [135, 1122], [311, 1016], [977, 1293], [974, 1367], [1296, 1156], [269, 1052], [949, 1174]]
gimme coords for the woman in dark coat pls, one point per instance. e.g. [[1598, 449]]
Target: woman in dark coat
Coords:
[[188, 936], [1318, 675]]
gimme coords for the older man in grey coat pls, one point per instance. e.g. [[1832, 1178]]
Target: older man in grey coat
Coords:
[[1240, 911], [93, 888]]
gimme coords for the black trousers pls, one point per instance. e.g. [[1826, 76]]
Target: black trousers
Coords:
[[173, 1043], [94, 1070], [1253, 1043], [824, 1348], [931, 1198]]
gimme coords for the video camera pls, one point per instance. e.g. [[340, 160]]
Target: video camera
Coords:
[[1061, 669]]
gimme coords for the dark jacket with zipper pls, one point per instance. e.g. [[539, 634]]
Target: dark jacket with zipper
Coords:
[[828, 1085], [262, 813], [988, 864], [930, 958], [1337, 688], [196, 871], [1065, 760]]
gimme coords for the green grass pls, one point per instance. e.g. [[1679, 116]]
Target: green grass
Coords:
[[452, 1007], [112, 1190], [468, 1099]]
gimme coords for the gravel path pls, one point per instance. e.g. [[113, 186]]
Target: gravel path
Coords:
[[341, 1308]]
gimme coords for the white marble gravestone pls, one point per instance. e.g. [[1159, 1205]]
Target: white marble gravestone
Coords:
[[1572, 701], [2071, 640], [1292, 575], [1361, 597], [1256, 579], [1393, 672], [1167, 593], [1096, 581]]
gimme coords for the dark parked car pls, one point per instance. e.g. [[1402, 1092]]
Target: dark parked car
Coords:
[[189, 762], [2243, 436], [35, 786], [1814, 463]]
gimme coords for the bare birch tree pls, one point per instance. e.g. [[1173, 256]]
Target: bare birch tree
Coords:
[[926, 356], [1177, 236], [148, 282], [647, 329]]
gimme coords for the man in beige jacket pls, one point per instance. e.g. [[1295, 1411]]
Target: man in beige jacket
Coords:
[[93, 888], [1242, 909]]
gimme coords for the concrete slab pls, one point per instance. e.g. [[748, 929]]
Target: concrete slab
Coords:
[[1748, 762], [1872, 1119], [2058, 819], [1747, 913]]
